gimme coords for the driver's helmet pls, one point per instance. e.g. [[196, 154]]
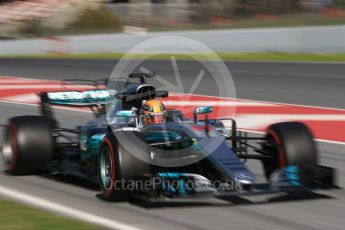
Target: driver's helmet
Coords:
[[153, 112]]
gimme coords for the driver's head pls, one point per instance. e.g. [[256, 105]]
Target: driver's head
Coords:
[[154, 112]]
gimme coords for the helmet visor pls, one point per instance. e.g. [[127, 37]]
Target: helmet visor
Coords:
[[155, 118]]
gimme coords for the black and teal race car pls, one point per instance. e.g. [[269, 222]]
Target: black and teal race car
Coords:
[[179, 158]]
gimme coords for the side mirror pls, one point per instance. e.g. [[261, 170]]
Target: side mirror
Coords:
[[204, 110], [201, 110], [125, 113]]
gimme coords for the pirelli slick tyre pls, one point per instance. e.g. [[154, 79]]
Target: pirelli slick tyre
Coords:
[[290, 143], [27, 144], [117, 169]]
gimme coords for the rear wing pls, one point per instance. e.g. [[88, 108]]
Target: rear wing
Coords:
[[94, 99], [77, 98], [94, 93], [98, 84]]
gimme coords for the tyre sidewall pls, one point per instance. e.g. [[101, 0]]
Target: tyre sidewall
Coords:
[[294, 146], [32, 144], [114, 193]]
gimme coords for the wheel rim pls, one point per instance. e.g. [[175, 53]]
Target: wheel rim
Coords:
[[274, 138], [106, 169], [7, 149]]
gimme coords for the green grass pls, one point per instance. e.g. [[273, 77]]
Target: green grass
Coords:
[[101, 21], [287, 20], [20, 217], [268, 56], [275, 56], [290, 21]]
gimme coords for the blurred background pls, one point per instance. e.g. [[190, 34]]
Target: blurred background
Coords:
[[35, 18], [45, 41]]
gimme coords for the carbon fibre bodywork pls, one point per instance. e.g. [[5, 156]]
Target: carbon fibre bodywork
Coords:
[[180, 152]]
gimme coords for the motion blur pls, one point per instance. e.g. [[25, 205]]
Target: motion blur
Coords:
[[172, 114]]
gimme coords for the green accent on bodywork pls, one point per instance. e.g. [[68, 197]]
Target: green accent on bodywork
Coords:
[[159, 136], [172, 140], [291, 173], [169, 174], [204, 110], [91, 145], [125, 113]]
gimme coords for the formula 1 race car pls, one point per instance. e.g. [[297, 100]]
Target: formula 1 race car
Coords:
[[179, 158]]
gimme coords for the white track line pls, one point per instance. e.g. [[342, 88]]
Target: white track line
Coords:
[[64, 210]]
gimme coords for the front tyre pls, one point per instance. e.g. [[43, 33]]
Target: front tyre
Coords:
[[289, 143]]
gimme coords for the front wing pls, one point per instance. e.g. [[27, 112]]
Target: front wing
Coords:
[[289, 179]]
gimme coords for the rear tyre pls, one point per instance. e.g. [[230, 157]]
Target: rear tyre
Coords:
[[118, 170], [28, 144], [290, 143]]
